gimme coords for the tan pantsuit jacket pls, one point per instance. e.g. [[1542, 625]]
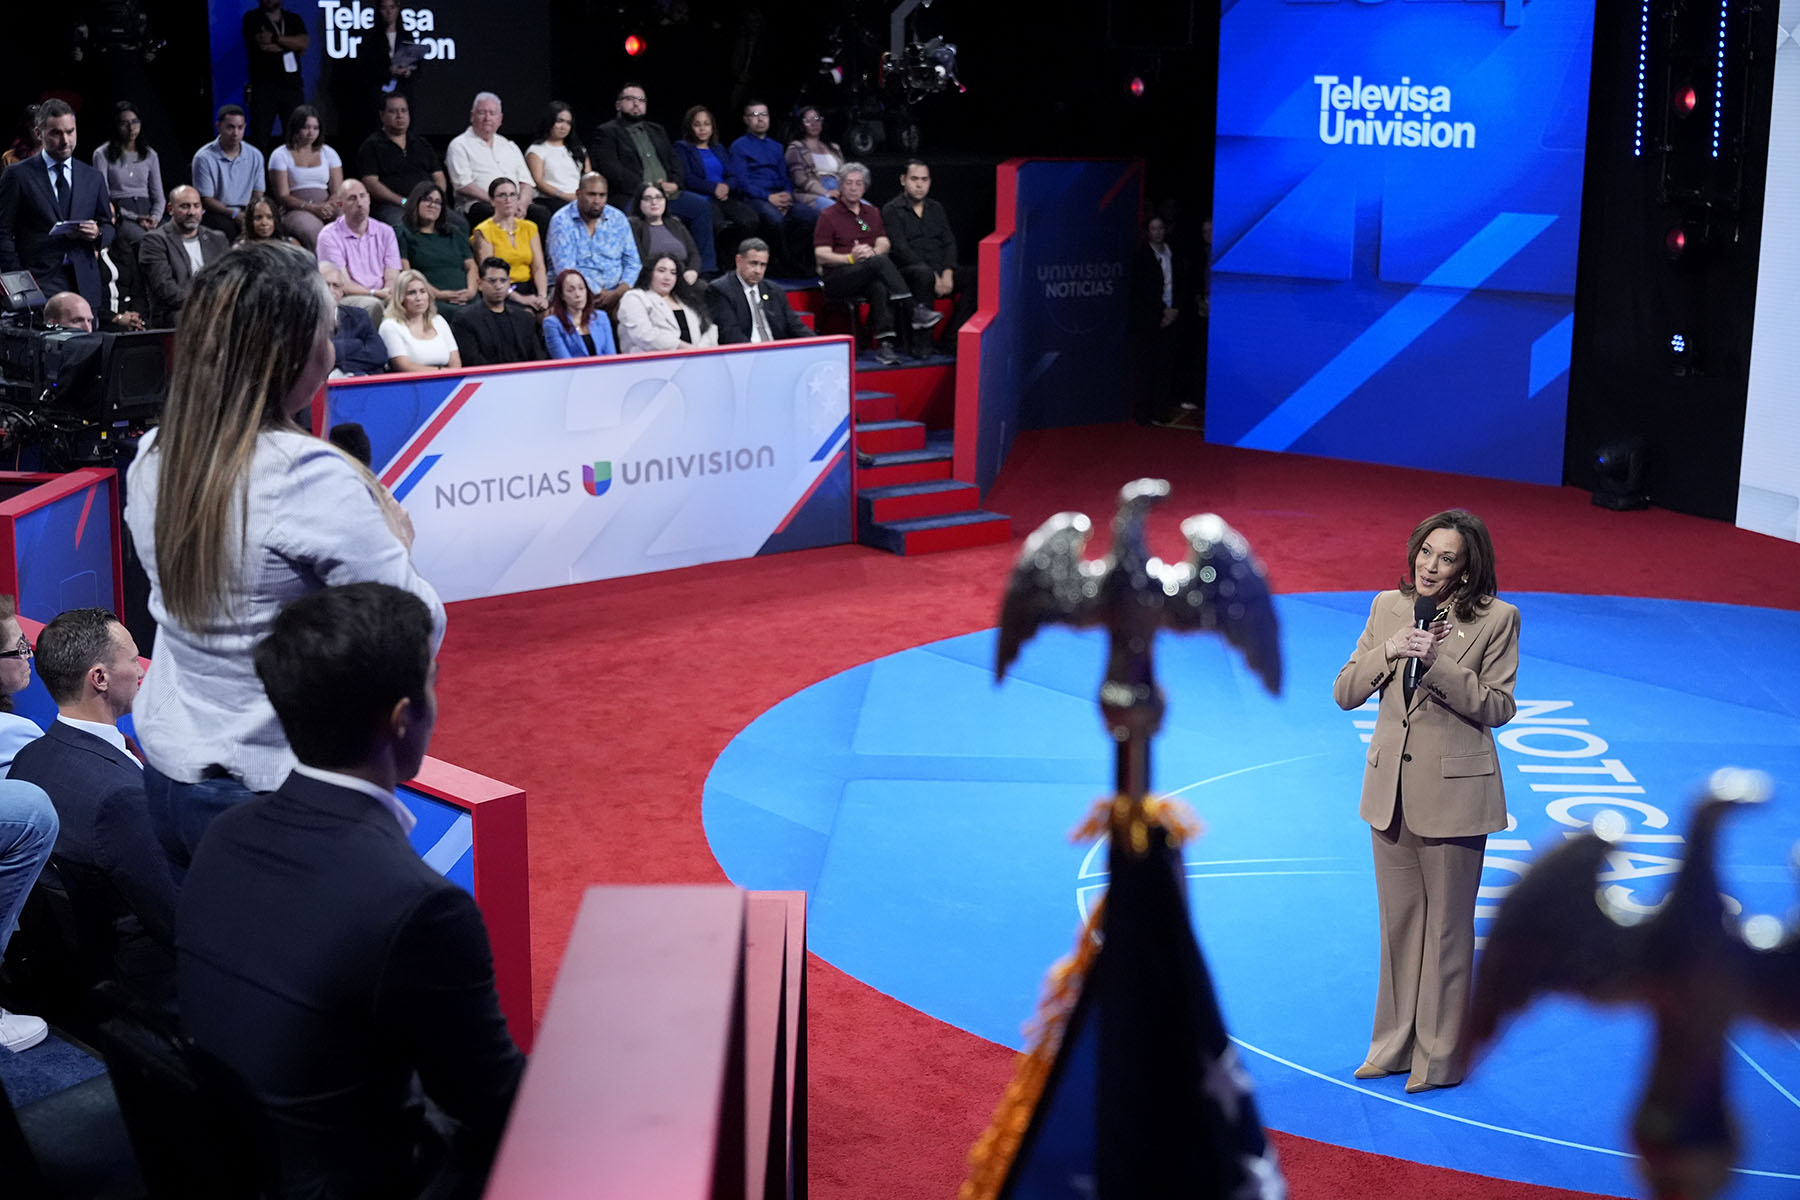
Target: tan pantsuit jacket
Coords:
[[1437, 753]]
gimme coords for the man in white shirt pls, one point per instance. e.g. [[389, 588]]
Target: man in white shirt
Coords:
[[479, 155], [107, 855], [749, 308], [170, 255]]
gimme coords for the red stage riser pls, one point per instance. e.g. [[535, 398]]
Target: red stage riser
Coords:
[[882, 509], [915, 472], [958, 537], [889, 437]]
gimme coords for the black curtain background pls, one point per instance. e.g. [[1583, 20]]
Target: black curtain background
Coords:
[[1630, 298]]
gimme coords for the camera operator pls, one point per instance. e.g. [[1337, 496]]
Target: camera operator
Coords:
[[68, 311]]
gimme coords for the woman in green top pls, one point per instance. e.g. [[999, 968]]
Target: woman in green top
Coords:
[[429, 247]]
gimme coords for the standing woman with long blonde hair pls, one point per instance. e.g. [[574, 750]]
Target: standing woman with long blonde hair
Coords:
[[235, 510]]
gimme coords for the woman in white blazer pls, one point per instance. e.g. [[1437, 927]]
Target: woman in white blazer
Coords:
[[663, 313]]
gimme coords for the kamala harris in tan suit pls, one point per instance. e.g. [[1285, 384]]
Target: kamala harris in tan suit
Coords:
[[1432, 790]]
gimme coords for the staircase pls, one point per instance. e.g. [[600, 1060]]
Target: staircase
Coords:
[[905, 498]]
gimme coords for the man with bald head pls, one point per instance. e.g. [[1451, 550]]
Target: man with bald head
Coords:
[[365, 250], [68, 311], [171, 254]]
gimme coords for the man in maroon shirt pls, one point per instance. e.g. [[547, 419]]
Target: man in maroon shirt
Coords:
[[850, 245]]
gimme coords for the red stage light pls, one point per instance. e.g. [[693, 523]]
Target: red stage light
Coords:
[[1675, 242], [1137, 85], [1687, 99], [634, 45]]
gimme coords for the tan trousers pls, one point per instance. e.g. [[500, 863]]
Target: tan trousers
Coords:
[[1426, 890]]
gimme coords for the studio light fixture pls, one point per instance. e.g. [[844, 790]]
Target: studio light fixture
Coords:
[[1619, 469]]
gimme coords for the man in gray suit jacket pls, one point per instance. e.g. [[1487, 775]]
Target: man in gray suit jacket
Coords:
[[171, 253]]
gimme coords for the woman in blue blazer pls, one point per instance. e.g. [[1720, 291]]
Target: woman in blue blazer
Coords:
[[574, 327]]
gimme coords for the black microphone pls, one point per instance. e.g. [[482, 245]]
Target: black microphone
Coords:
[[1424, 609]]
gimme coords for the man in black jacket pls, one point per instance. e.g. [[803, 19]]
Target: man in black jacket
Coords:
[[631, 151], [738, 295], [919, 232], [319, 957], [492, 330], [106, 854]]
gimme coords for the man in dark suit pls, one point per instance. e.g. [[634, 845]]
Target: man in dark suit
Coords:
[[494, 330], [106, 853], [167, 255], [319, 958], [632, 151], [1157, 279], [52, 190], [737, 297]]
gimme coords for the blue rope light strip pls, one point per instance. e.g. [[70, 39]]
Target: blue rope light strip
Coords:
[[1719, 82], [1643, 52]]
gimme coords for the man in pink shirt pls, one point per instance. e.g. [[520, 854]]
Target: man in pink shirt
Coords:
[[366, 251]]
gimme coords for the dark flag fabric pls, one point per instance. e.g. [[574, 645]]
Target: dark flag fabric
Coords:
[[1133, 1090]]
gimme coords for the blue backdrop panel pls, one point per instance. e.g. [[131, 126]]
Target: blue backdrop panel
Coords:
[[1396, 212], [926, 811], [66, 556]]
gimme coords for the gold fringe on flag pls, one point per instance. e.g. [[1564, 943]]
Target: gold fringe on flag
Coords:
[[1128, 822]]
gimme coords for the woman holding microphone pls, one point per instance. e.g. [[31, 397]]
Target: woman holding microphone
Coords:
[[236, 509], [1443, 651]]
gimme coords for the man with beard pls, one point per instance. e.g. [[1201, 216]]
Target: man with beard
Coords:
[[171, 253], [631, 151]]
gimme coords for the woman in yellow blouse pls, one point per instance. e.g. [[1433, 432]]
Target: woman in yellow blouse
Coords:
[[509, 236]]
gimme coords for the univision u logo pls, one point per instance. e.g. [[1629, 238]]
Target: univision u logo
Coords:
[[597, 478]]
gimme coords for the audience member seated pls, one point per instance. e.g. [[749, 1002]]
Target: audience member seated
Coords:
[[557, 160], [851, 247], [28, 826], [367, 251], [919, 229], [107, 855], [631, 152], [352, 990], [813, 164], [360, 350], [759, 174], [656, 231], [304, 174], [479, 155], [172, 254], [261, 223], [133, 176], [391, 163], [235, 509], [41, 193], [575, 327], [750, 308], [516, 240], [663, 312], [706, 167], [228, 173], [15, 676], [417, 337], [492, 331], [430, 247], [121, 290], [594, 238]]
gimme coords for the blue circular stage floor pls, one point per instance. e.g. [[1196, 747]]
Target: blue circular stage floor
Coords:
[[926, 811]]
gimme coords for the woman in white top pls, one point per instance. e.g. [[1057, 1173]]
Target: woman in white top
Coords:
[[557, 160], [663, 312], [236, 509], [304, 175], [416, 337], [814, 163]]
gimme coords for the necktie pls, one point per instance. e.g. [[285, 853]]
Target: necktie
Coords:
[[60, 184], [756, 314]]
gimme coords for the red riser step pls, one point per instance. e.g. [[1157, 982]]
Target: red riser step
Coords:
[[933, 534], [889, 437], [876, 406], [908, 466], [910, 501]]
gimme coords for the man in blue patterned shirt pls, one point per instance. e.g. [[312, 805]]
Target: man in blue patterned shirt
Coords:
[[589, 237]]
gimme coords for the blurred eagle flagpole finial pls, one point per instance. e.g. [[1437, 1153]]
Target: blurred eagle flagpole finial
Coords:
[[1693, 966], [1132, 1089]]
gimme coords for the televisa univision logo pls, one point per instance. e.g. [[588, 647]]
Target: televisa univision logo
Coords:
[[1398, 114]]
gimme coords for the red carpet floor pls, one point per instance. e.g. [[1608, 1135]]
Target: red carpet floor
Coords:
[[609, 702]]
